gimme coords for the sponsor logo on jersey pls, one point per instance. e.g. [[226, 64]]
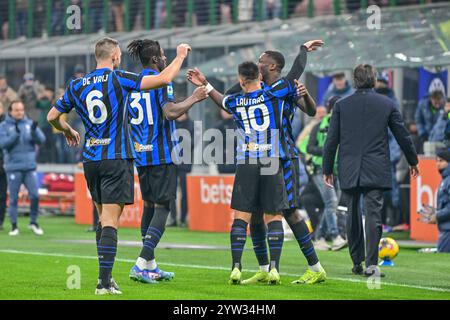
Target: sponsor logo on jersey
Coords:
[[143, 147], [256, 147], [93, 142]]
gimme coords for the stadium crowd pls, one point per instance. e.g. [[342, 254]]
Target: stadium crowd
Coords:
[[248, 10]]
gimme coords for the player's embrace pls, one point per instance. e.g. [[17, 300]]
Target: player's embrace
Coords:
[[99, 99], [153, 131]]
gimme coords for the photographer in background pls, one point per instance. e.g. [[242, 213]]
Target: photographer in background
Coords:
[[19, 137]]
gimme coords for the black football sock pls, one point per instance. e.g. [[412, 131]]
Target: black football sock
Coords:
[[275, 238], [154, 233], [107, 249], [301, 233], [238, 236], [258, 232], [147, 217]]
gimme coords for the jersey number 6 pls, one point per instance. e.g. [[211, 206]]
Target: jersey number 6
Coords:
[[92, 102]]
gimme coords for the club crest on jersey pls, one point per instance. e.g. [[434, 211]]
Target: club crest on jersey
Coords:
[[93, 142], [169, 90], [256, 147], [143, 147]]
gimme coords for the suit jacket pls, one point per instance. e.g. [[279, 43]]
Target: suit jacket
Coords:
[[359, 128]]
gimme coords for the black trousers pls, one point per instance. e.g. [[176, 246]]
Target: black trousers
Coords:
[[372, 203], [173, 208], [3, 188]]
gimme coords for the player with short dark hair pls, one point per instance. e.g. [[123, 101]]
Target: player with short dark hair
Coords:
[[152, 114], [99, 99], [270, 65]]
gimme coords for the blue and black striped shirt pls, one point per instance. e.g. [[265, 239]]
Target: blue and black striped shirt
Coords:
[[153, 135], [99, 99]]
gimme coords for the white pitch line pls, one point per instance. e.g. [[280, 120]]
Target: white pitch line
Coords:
[[215, 268]]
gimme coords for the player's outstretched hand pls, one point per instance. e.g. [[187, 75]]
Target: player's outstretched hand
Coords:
[[312, 45], [200, 93], [183, 50], [196, 77], [300, 88], [72, 137]]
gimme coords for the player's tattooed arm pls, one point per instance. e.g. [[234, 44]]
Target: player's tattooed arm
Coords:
[[174, 110], [300, 61], [304, 101], [197, 78], [72, 136], [169, 73]]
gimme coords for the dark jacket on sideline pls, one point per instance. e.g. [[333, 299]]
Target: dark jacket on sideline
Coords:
[[358, 127], [443, 202], [19, 148]]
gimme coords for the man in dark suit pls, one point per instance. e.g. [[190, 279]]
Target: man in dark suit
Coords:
[[359, 127]]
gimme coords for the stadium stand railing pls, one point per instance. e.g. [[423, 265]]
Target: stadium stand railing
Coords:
[[45, 18]]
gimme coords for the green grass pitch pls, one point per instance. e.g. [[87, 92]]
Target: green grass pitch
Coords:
[[34, 267]]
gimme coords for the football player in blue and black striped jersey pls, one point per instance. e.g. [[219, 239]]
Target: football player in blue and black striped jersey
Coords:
[[99, 99], [270, 65], [153, 113]]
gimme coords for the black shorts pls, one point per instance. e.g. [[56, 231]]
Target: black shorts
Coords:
[[292, 181], [254, 191], [110, 181], [158, 183]]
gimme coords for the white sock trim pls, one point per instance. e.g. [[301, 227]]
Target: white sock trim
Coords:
[[141, 263], [316, 267], [151, 264], [264, 268]]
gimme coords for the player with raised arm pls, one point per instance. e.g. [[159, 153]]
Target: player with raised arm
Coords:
[[99, 99], [258, 115], [270, 65], [152, 115]]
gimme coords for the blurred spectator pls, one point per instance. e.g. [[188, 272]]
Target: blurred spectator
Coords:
[[38, 23], [183, 122], [29, 91], [7, 94], [321, 7], [303, 138], [179, 12], [118, 9], [412, 128], [437, 134], [245, 10], [391, 214], [272, 9], [160, 14], [328, 223], [58, 18], [427, 113], [19, 137], [201, 11], [3, 19], [339, 87], [226, 11], [382, 87], [47, 152], [229, 147], [96, 15], [78, 72], [441, 215], [3, 182], [21, 17]]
